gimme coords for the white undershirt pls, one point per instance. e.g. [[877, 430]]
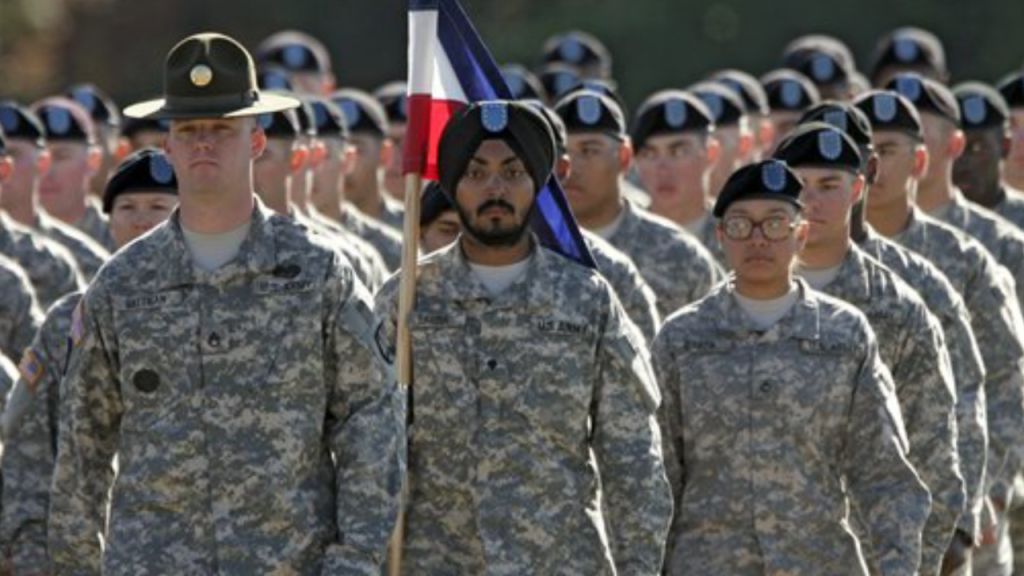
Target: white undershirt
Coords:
[[211, 251], [820, 277], [765, 313], [497, 279], [608, 231]]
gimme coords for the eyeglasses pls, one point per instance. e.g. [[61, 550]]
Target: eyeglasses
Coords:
[[774, 228]]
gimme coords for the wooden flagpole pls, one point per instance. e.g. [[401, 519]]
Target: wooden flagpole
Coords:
[[406, 300]]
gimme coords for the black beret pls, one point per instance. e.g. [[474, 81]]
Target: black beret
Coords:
[[821, 145], [523, 84], [433, 203], [279, 124], [586, 111], [394, 97], [557, 126], [328, 121], [927, 95], [767, 180], [579, 49], [18, 122], [831, 44], [557, 79], [670, 111], [822, 62], [725, 106], [746, 87], [888, 111], [1012, 89], [66, 120], [517, 123], [362, 112], [981, 106], [844, 116], [146, 170], [789, 90], [294, 51], [100, 107], [909, 48], [605, 87], [273, 78]]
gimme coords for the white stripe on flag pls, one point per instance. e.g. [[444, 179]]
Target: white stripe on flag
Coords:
[[430, 71]]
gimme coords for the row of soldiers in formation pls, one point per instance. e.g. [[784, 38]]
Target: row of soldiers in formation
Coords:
[[796, 434]]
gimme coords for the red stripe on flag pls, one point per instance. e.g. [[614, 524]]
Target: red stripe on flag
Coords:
[[427, 119]]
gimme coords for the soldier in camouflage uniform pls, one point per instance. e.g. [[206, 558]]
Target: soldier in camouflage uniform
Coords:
[[674, 263], [75, 159], [676, 150], [235, 377], [19, 311], [532, 388], [778, 412], [910, 340], [985, 286], [27, 143], [979, 171], [140, 195]]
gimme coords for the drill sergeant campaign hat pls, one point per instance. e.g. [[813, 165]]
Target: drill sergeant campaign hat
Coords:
[[927, 95], [765, 180], [789, 91], [887, 110], [518, 124], [819, 145], [981, 106], [146, 170], [588, 111], [65, 120], [210, 76], [18, 122], [668, 112]]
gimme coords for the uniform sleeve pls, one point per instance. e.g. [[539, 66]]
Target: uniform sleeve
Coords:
[[642, 308], [21, 321], [28, 460], [627, 444], [88, 436], [925, 389], [671, 426], [884, 487], [366, 427]]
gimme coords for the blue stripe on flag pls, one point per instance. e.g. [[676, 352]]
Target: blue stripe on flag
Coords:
[[480, 78], [419, 5]]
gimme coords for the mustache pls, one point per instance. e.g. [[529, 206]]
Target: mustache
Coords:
[[497, 202]]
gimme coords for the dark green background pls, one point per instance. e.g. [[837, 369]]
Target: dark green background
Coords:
[[120, 44]]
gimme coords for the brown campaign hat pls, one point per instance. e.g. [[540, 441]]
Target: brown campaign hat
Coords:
[[210, 76]]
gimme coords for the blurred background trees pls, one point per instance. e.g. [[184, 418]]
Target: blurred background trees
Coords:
[[46, 45]]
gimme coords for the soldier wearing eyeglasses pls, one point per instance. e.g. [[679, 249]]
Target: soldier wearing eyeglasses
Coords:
[[777, 412]]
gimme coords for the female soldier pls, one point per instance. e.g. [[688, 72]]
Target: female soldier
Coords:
[[777, 412]]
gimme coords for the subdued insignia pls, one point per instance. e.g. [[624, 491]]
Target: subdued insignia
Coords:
[[905, 49], [9, 120], [201, 75], [790, 93], [58, 120], [830, 144], [909, 88], [78, 324], [295, 56], [160, 169], [975, 110], [351, 111], [31, 369], [884, 107], [714, 104], [822, 68], [836, 118], [773, 176], [675, 113], [494, 116], [588, 108], [571, 50]]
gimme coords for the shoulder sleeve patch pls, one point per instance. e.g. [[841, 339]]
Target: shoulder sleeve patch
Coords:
[[31, 369], [78, 324]]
